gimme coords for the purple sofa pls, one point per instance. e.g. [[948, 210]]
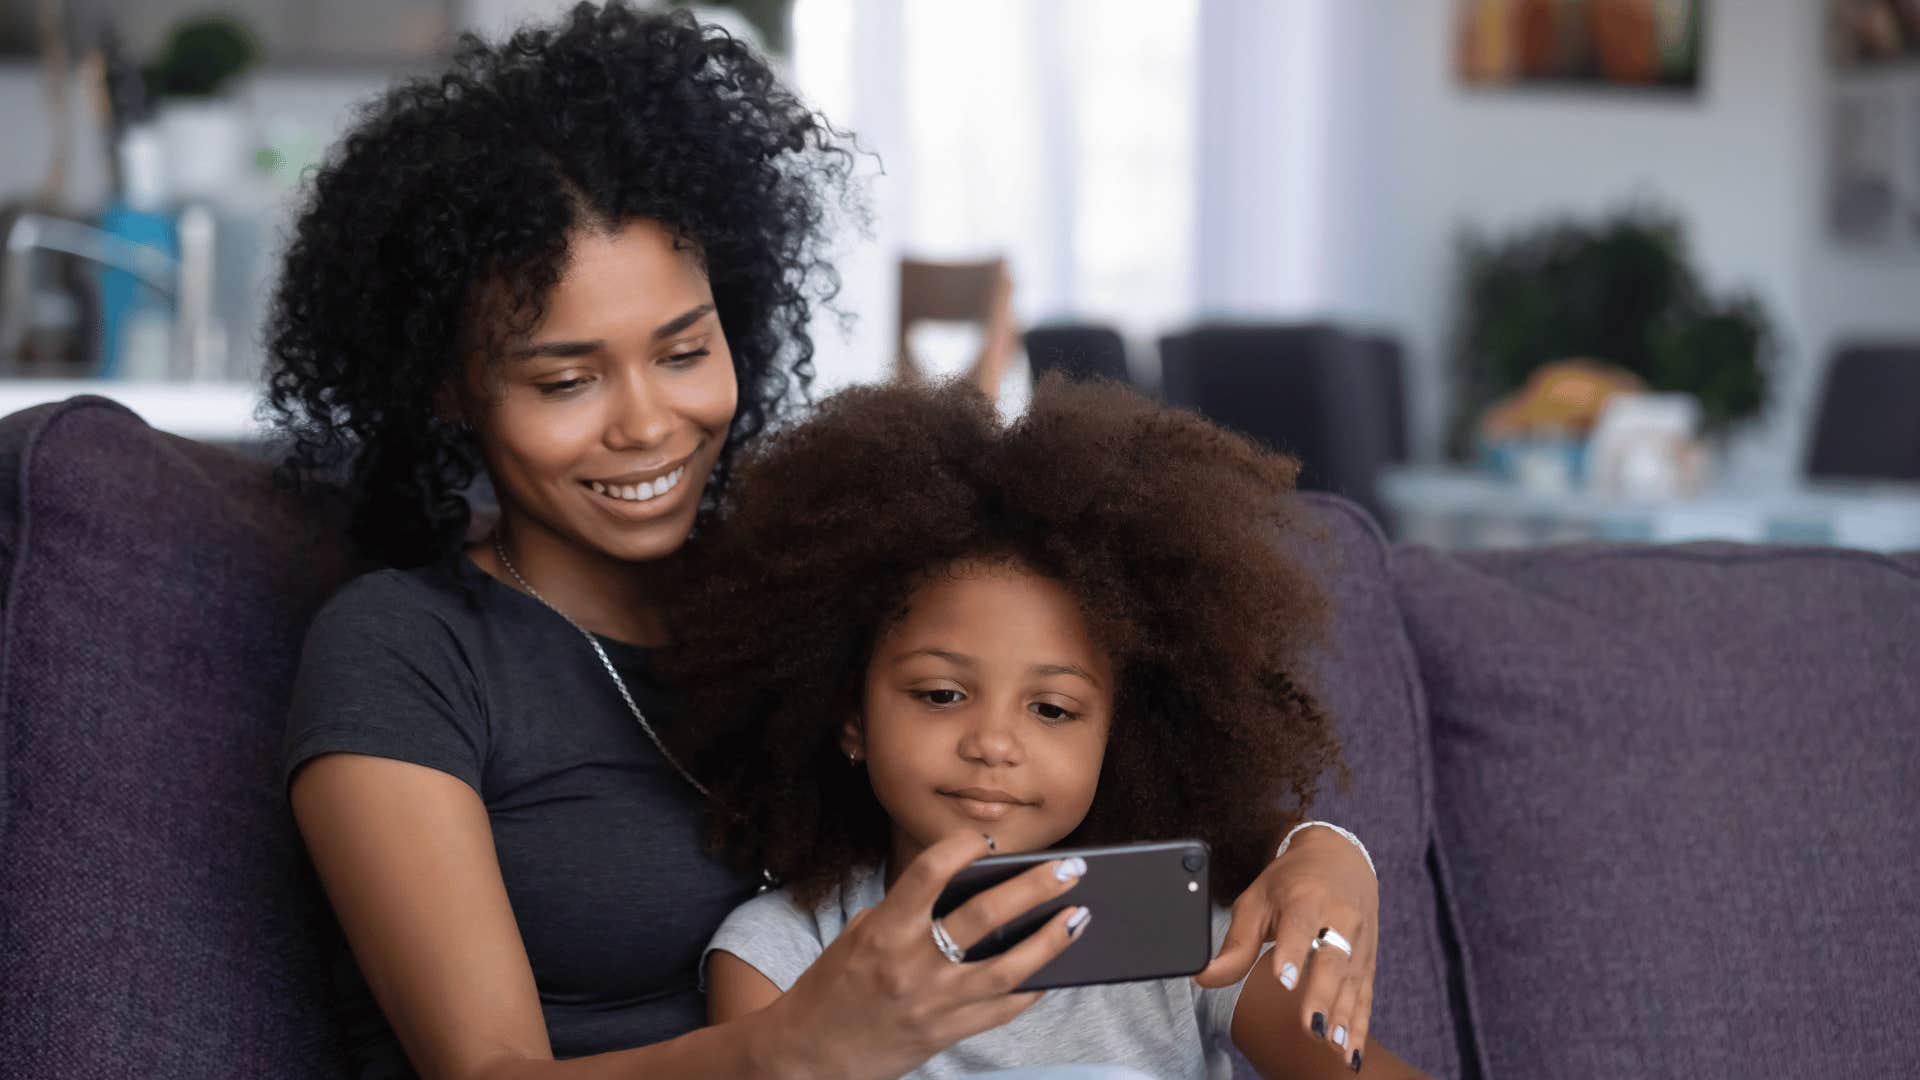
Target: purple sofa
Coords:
[[1637, 811]]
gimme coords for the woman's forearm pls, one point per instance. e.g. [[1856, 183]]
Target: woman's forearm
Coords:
[[753, 1046]]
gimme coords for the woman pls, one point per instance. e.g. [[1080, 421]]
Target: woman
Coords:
[[582, 263]]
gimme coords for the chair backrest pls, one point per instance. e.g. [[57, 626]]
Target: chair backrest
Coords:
[[978, 292], [1309, 389], [1077, 350], [1868, 426]]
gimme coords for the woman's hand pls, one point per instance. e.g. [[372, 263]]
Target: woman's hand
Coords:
[[1322, 881], [882, 999]]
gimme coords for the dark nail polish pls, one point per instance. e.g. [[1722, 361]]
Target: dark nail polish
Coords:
[[1319, 1026], [1356, 1061], [991, 846]]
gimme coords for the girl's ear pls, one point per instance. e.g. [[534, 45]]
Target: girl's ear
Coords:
[[853, 740]]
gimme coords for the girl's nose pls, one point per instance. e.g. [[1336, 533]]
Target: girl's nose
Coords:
[[992, 740]]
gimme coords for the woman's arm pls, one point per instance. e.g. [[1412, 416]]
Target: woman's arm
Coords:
[[406, 855], [1264, 1030]]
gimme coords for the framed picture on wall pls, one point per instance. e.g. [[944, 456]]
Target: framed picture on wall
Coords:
[[1630, 44], [1873, 33]]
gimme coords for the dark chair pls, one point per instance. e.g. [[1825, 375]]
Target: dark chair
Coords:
[[1868, 426], [1311, 390], [1078, 350], [1383, 352]]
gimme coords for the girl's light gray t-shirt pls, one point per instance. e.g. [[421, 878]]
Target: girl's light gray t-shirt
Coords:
[[1166, 1028]]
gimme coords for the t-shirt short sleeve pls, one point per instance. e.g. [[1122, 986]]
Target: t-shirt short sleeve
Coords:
[[1213, 1008], [773, 936], [383, 673]]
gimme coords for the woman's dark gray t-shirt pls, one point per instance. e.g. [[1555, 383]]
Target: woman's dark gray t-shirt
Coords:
[[600, 841]]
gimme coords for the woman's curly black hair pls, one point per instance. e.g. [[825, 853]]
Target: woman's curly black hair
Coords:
[[440, 223], [1167, 529]]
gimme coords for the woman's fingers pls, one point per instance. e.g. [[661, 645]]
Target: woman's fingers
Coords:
[[1340, 1015], [1010, 899], [1247, 931], [1326, 970], [1002, 974], [908, 904]]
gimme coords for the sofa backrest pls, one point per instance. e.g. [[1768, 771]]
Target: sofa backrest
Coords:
[[1678, 794], [1368, 680], [157, 915]]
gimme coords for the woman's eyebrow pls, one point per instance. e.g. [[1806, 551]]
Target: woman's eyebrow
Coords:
[[682, 321]]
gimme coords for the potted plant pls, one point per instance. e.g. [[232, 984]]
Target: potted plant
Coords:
[[202, 129], [1620, 291]]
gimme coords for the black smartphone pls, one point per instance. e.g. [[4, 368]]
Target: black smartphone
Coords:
[[1152, 912]]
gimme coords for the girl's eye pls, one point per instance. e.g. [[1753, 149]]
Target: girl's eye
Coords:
[[686, 359], [939, 698], [1053, 714], [549, 389]]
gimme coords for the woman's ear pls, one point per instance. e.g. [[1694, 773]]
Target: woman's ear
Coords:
[[853, 739]]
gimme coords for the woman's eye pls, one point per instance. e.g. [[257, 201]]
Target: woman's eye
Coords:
[[939, 698], [1053, 714], [684, 359], [549, 389]]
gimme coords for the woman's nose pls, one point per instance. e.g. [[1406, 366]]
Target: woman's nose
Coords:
[[641, 415]]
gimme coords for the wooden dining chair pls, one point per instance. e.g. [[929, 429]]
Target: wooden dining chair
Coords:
[[980, 293]]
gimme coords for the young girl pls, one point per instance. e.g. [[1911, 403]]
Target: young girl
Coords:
[[916, 624]]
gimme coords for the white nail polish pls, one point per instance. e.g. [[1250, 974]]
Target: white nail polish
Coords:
[[1289, 975], [1068, 869], [1340, 1036], [1077, 921]]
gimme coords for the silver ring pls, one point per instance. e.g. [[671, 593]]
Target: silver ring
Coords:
[[1329, 936], [944, 942]]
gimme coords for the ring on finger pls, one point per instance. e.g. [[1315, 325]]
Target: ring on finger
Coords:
[[1333, 938], [944, 942]]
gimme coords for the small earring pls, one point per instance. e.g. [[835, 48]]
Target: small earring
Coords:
[[853, 759]]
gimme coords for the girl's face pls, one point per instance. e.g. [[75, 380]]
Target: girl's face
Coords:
[[986, 709], [601, 427]]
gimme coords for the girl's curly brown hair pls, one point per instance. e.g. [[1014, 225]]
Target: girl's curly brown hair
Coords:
[[1165, 527]]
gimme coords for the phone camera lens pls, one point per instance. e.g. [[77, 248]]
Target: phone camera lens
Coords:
[[1193, 862]]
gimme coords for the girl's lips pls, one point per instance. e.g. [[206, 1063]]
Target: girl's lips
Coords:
[[980, 810]]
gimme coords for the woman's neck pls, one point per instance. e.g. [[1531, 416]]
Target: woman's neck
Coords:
[[608, 596]]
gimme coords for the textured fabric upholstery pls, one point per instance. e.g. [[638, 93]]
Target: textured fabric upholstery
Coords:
[[1677, 793], [157, 917]]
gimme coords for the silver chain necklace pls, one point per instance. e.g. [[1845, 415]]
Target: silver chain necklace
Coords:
[[618, 682]]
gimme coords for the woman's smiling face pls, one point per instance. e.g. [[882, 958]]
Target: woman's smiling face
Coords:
[[602, 425], [986, 708]]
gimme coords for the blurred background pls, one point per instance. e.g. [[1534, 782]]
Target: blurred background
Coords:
[[1506, 272]]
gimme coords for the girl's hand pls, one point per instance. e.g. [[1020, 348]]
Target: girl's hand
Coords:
[[1322, 881], [882, 998]]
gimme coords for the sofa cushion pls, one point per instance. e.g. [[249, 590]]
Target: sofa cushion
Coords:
[[1366, 678], [157, 917], [1676, 795]]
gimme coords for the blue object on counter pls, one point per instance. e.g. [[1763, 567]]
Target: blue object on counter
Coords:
[[122, 294]]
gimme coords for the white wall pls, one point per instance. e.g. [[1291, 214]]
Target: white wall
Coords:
[[1741, 163]]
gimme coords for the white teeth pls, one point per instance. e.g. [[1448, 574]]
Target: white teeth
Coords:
[[643, 491]]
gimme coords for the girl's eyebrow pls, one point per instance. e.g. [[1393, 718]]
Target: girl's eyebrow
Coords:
[[963, 660]]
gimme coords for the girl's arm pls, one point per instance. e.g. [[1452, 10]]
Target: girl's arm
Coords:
[[1266, 1029], [735, 988]]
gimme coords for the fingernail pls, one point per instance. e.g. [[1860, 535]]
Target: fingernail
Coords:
[[1356, 1061], [991, 846], [1319, 1025], [1077, 922], [1340, 1035], [1289, 975], [1068, 869]]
